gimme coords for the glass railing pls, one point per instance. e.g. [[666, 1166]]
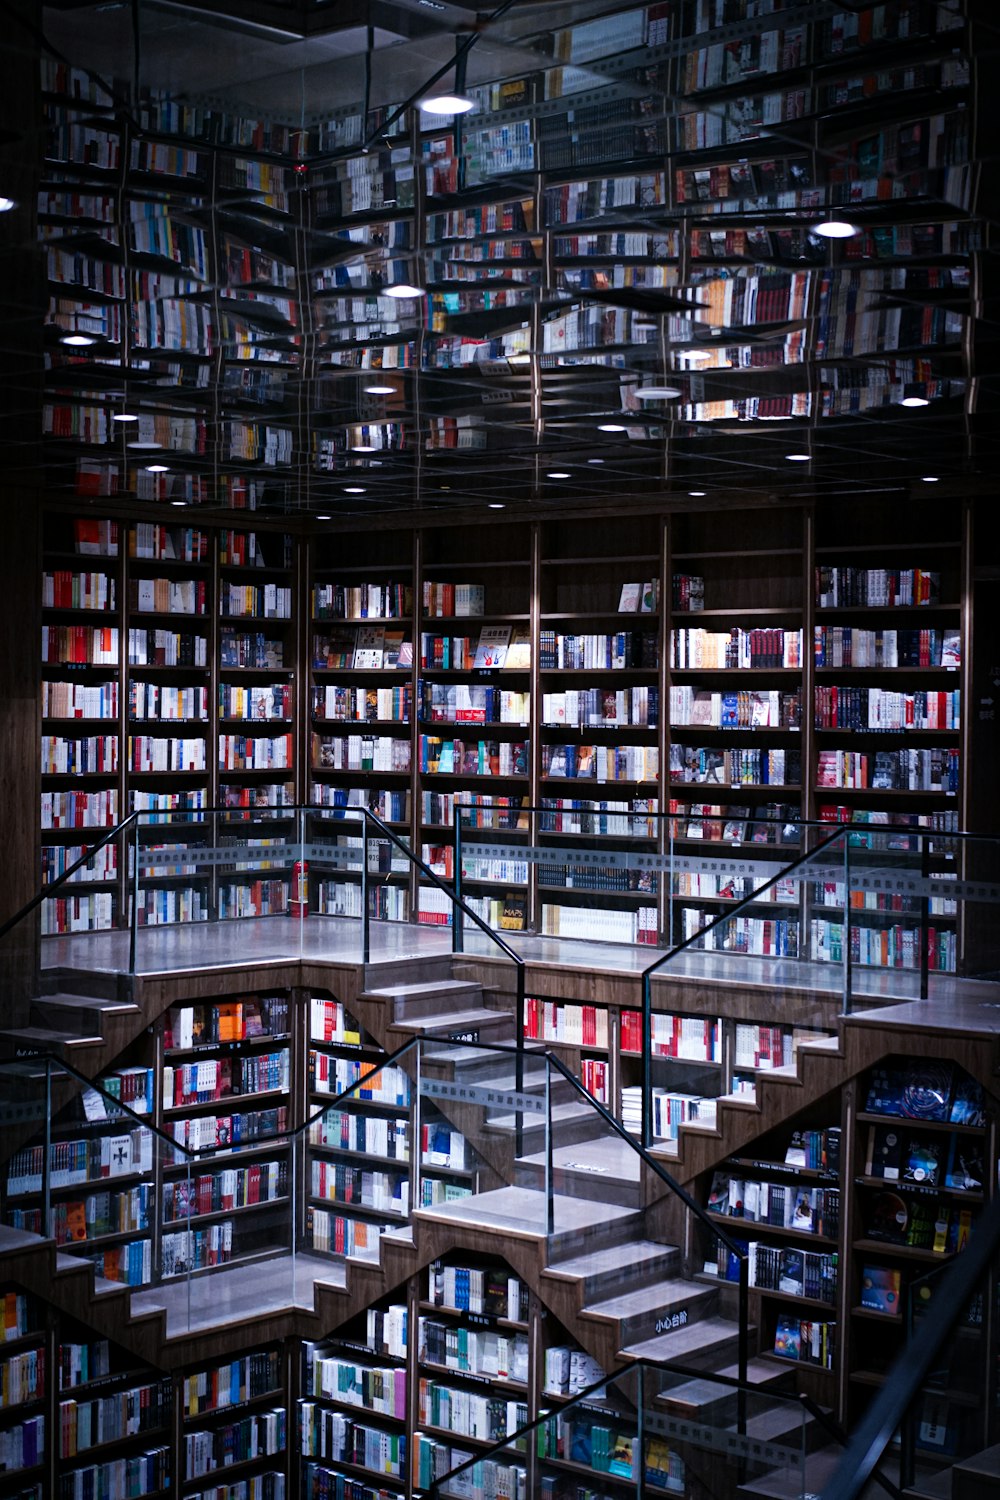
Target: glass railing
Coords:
[[652, 1429]]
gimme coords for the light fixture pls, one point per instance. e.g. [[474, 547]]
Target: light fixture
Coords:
[[6, 204], [156, 469], [657, 392], [380, 390], [124, 416], [697, 493], [402, 289], [914, 401], [558, 474], [610, 427], [144, 447], [178, 502], [355, 489], [834, 229], [77, 340], [797, 458], [447, 104], [930, 479], [595, 460], [323, 517], [496, 505], [363, 448]]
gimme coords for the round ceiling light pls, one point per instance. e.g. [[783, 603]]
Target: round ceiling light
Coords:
[[77, 340], [447, 104], [380, 390], [914, 401], [835, 229], [658, 392], [558, 474], [610, 427], [124, 416], [157, 469], [797, 458], [402, 289]]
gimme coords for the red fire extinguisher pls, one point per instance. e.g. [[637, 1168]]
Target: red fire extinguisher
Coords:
[[298, 904]]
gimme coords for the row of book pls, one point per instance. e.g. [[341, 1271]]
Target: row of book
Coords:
[[601, 762], [81, 645], [706, 765], [598, 707], [229, 1132], [377, 1388], [854, 646], [106, 1419], [575, 1025], [876, 588], [735, 649], [383, 1192], [218, 1192], [877, 708], [22, 1378], [450, 703], [80, 700], [468, 1413], [65, 589], [255, 1436], [441, 757], [359, 752], [618, 651], [159, 702], [935, 770], [489, 1291], [809, 1210], [255, 1017], [895, 947], [242, 1379], [210, 1079], [744, 709], [941, 1159], [789, 1270], [331, 1435], [356, 704], [473, 1351], [374, 1082], [170, 648], [94, 754], [79, 1161], [369, 1135]]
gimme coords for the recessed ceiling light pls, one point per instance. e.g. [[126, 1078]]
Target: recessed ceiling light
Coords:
[[6, 204], [657, 392], [497, 505], [403, 289], [610, 427], [124, 416], [447, 104], [558, 474], [595, 460], [380, 390], [797, 458], [178, 502], [914, 401], [930, 479], [834, 229], [355, 489], [323, 517], [697, 493], [156, 469], [77, 340], [363, 448], [144, 447]]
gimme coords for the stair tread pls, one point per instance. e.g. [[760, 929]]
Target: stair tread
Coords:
[[669, 1291], [612, 1258], [46, 1034], [448, 1018], [790, 1484], [679, 1342], [426, 987], [86, 1002], [694, 1394], [570, 1109]]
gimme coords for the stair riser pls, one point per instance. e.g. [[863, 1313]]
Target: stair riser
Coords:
[[586, 1185], [468, 998], [76, 1019], [598, 1236], [618, 1280], [82, 982], [656, 1319]]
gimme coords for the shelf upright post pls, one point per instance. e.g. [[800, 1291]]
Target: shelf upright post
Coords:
[[416, 1128], [133, 936], [848, 977], [458, 916], [647, 1062], [550, 1206], [47, 1159], [365, 929], [640, 1411], [925, 906]]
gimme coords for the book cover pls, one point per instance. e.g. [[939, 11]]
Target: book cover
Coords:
[[787, 1338], [370, 648], [629, 598], [880, 1289], [888, 1219], [885, 1152], [492, 648], [923, 1161]]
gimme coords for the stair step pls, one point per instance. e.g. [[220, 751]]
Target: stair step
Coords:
[[649, 1311], [86, 1003], [421, 989], [611, 1269], [694, 1396], [706, 1339], [41, 1039], [455, 1020]]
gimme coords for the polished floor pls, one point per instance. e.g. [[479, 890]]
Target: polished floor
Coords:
[[952, 1004]]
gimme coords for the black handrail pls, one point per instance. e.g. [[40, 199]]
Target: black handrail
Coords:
[[647, 973], [732, 1246], [48, 890]]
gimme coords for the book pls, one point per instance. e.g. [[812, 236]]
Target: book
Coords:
[[887, 1218], [923, 1162], [787, 1338], [370, 648], [630, 598], [885, 1152], [880, 1289], [492, 648]]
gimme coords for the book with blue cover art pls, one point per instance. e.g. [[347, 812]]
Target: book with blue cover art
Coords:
[[880, 1289]]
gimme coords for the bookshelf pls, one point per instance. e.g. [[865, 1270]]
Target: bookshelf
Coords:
[[920, 1172], [226, 1085], [25, 1380], [785, 1196]]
